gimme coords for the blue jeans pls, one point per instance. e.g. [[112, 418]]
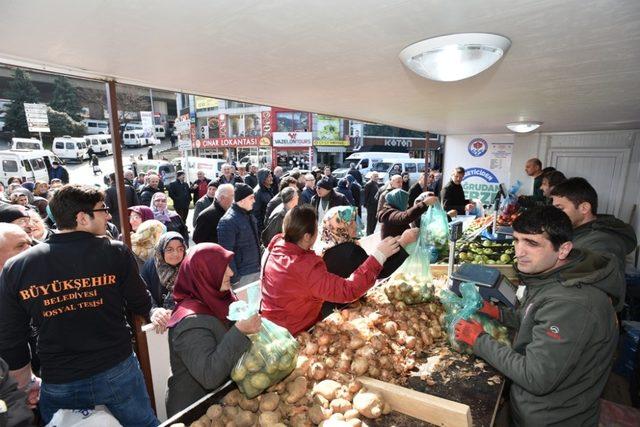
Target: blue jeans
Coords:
[[121, 389]]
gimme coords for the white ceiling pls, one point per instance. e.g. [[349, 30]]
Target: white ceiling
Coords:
[[573, 64]]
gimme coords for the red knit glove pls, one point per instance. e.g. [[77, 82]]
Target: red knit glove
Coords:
[[490, 310], [468, 332]]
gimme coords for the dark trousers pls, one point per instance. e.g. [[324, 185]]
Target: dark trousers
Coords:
[[182, 212], [372, 219]]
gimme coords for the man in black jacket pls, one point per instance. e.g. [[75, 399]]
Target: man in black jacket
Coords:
[[180, 193], [327, 198], [371, 202], [111, 199], [453, 193], [152, 187], [206, 229], [355, 173], [263, 194], [251, 179], [74, 288], [417, 189]]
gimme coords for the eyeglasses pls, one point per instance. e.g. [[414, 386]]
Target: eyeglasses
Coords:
[[105, 209]]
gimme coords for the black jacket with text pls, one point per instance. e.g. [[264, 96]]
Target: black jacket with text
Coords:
[[75, 288]]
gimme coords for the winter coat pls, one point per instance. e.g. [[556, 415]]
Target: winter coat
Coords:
[[356, 174], [263, 197], [206, 229], [271, 206], [395, 222], [146, 193], [238, 233], [335, 199], [344, 259], [296, 282], [251, 180], [566, 337], [307, 195], [203, 203], [453, 198], [177, 224], [17, 412], [273, 225], [199, 188], [346, 192], [60, 173], [415, 190], [180, 193], [111, 200], [235, 179], [202, 353], [149, 274], [370, 201]]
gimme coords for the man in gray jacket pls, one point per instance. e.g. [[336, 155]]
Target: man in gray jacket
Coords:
[[567, 329]]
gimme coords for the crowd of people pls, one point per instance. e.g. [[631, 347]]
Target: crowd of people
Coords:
[[68, 281]]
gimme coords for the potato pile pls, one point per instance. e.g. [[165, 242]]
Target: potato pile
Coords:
[[375, 339], [271, 358], [408, 288]]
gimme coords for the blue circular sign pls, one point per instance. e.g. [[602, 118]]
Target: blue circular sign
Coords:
[[478, 147]]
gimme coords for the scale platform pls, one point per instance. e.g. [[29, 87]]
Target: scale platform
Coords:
[[491, 283]]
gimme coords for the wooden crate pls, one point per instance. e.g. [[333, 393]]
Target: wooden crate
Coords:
[[425, 407]]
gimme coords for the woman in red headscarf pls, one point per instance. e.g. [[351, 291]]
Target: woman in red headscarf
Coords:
[[203, 345]]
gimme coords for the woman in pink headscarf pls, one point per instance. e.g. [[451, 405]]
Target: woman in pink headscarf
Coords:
[[204, 345]]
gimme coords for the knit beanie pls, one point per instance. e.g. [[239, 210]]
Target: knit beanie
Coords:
[[325, 183], [242, 191]]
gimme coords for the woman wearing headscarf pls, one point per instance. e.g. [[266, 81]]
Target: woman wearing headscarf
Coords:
[[394, 215], [203, 345], [138, 215], [160, 272], [296, 282], [340, 249], [343, 188], [170, 219]]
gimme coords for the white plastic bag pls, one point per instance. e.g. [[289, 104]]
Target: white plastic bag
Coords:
[[99, 416]]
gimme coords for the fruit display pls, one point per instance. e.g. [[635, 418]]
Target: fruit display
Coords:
[[409, 288], [477, 224], [509, 213], [272, 356], [484, 252]]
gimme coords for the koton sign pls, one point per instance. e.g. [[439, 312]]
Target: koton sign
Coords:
[[257, 141], [292, 139]]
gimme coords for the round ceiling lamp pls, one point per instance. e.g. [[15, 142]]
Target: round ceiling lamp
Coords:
[[523, 127], [454, 57]]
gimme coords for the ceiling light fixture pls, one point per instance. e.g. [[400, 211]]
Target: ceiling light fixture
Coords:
[[454, 57], [523, 127]]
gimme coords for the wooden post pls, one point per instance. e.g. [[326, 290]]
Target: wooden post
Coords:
[[141, 349], [427, 152]]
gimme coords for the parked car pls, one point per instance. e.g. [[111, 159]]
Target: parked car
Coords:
[[100, 144], [69, 148], [26, 144]]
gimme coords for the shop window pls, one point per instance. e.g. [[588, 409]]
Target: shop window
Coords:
[[292, 121]]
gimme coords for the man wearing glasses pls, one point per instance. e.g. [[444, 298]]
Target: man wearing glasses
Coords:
[[74, 289]]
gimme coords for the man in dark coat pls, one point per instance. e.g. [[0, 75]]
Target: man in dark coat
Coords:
[[417, 189], [228, 177], [111, 199], [180, 193], [251, 179], [309, 188], [453, 194], [59, 172], [152, 187], [263, 194], [205, 201], [354, 172], [328, 175], [206, 228], [356, 192], [199, 186], [327, 198], [238, 233], [371, 202]]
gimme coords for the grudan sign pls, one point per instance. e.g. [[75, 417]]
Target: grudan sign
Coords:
[[292, 139], [486, 159], [255, 141]]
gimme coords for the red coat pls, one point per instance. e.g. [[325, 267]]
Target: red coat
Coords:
[[296, 282]]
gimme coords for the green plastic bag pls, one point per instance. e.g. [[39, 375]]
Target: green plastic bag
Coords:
[[435, 226], [466, 308], [273, 354], [411, 282]]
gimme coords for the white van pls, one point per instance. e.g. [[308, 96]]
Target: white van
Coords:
[[26, 144], [136, 138], [100, 144], [96, 127], [388, 166], [160, 132], [66, 147], [166, 170], [27, 165], [210, 167]]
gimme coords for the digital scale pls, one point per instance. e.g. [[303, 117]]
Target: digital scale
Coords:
[[491, 284]]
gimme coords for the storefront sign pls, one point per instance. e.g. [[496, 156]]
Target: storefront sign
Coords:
[[292, 139], [331, 143], [256, 141], [487, 161], [204, 103], [266, 123]]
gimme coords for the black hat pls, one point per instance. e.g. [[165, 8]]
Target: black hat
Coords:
[[9, 213], [242, 191], [213, 183], [325, 183]]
